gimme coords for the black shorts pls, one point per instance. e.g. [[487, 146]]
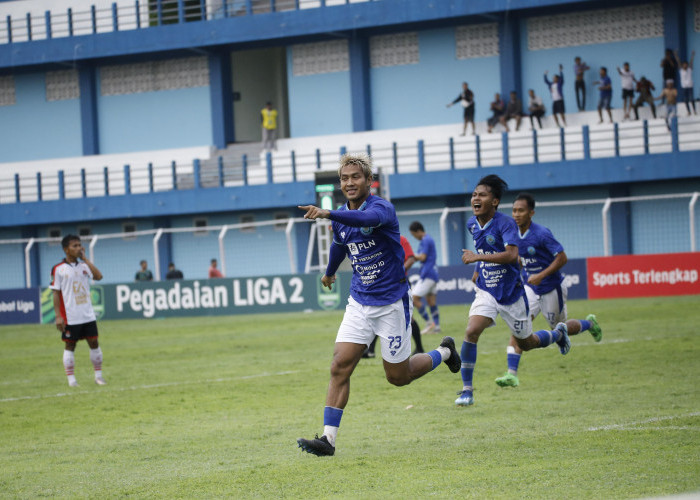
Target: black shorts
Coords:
[[558, 107], [627, 93], [469, 114], [74, 333]]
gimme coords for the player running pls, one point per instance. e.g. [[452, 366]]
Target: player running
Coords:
[[75, 317], [366, 229], [499, 287], [427, 284], [541, 256]]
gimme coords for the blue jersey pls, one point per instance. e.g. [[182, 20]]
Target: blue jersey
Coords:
[[428, 268], [375, 252], [502, 281], [537, 249]]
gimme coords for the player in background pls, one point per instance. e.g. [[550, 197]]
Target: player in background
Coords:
[[75, 317], [366, 230], [427, 285], [541, 257], [408, 261], [499, 287]]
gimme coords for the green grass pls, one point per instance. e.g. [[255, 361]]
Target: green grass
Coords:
[[212, 407]]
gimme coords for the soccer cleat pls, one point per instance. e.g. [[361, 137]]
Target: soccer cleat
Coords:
[[465, 398], [73, 383], [595, 328], [508, 380], [564, 342], [317, 446], [437, 329], [429, 327], [454, 362], [100, 381]]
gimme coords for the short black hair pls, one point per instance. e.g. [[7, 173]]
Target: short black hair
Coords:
[[529, 199], [604, 68], [65, 242], [416, 226], [495, 183]]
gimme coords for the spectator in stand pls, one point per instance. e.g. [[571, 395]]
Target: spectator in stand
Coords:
[[269, 127], [173, 273], [580, 68], [143, 274], [535, 108], [669, 67], [605, 88], [514, 111], [670, 96], [687, 81], [497, 108], [645, 89], [627, 81], [555, 88], [214, 271], [466, 99]]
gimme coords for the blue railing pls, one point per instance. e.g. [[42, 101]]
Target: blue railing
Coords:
[[141, 14], [584, 143]]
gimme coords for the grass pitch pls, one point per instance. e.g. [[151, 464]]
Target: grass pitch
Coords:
[[212, 407]]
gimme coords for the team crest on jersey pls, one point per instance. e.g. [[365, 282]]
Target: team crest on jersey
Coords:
[[366, 230], [531, 250], [490, 239]]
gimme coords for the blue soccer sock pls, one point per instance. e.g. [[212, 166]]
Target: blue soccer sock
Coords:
[[468, 355], [435, 314], [548, 337], [331, 422], [424, 312], [585, 324], [513, 360]]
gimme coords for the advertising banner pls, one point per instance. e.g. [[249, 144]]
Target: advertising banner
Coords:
[[19, 306], [162, 299], [643, 275]]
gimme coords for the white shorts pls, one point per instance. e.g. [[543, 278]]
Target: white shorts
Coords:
[[552, 304], [391, 323], [515, 315], [424, 287]]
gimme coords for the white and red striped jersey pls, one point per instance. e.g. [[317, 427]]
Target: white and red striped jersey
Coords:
[[73, 281]]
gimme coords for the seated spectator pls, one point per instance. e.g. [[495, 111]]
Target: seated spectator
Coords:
[[143, 274], [173, 273], [535, 108], [514, 111], [645, 89], [214, 271], [497, 108]]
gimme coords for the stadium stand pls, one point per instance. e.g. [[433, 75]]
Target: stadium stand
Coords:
[[137, 124]]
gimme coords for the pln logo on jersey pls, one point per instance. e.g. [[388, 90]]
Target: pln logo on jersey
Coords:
[[353, 248], [531, 250], [490, 239]]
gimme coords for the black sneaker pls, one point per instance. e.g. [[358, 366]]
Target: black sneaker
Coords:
[[454, 362], [318, 446]]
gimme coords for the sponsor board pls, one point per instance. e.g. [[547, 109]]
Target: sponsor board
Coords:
[[20, 305], [644, 275]]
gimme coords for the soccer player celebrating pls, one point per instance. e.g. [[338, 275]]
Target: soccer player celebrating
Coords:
[[75, 317], [499, 288], [427, 285], [366, 229], [541, 256]]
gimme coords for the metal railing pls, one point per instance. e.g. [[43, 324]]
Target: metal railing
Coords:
[[140, 14], [573, 143], [294, 249]]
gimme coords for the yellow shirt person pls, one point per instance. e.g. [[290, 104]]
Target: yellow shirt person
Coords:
[[269, 127]]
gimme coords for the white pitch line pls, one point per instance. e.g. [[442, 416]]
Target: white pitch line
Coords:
[[151, 386], [631, 425]]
